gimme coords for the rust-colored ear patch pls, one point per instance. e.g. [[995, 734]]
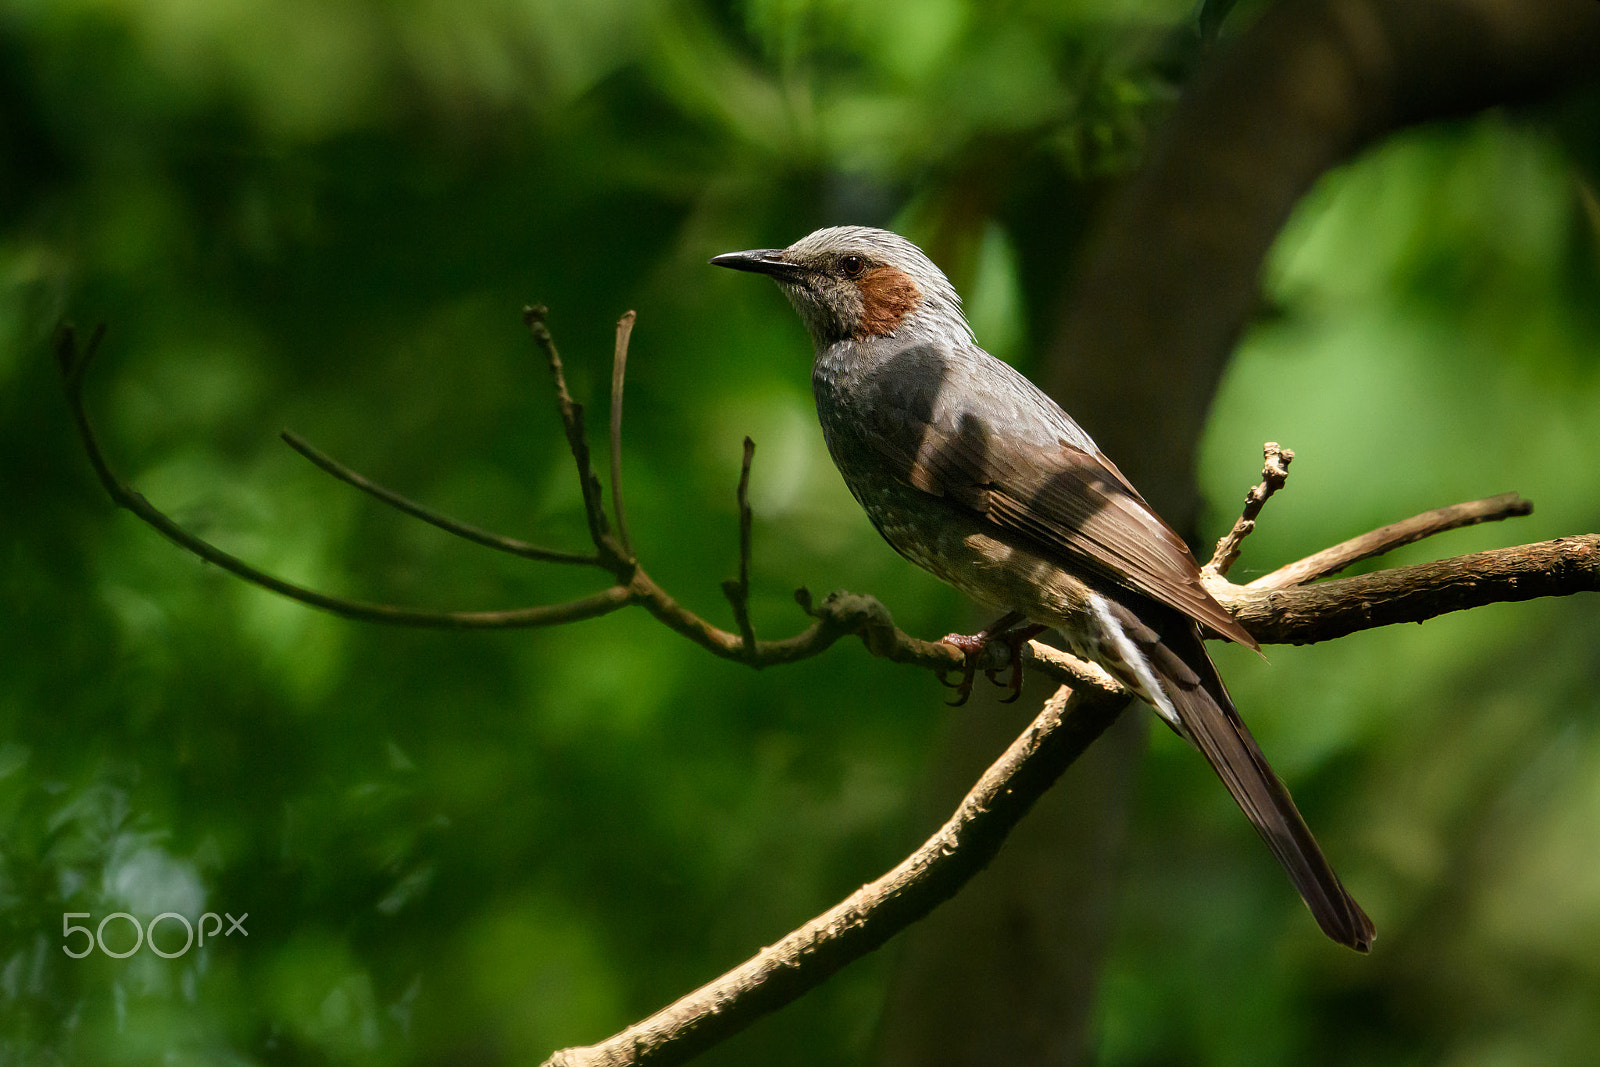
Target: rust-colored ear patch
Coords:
[[888, 295]]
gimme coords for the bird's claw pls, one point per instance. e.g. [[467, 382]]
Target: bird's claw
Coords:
[[972, 648], [1015, 684]]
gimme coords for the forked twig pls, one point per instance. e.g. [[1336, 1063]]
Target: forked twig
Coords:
[[1387, 538], [1322, 611], [1331, 560], [838, 615], [571, 412], [74, 364]]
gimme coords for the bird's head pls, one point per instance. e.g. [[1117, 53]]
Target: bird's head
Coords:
[[858, 283]]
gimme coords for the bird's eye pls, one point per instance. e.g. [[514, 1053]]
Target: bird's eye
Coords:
[[852, 265]]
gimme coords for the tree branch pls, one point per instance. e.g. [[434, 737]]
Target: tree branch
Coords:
[[839, 615], [619, 365], [870, 916], [465, 531], [737, 589], [613, 554], [1386, 538], [964, 845], [1305, 614], [1274, 473]]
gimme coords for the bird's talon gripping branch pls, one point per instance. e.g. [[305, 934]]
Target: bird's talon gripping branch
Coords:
[[969, 670], [974, 648], [1015, 640]]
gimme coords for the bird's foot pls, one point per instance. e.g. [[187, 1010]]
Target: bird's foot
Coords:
[[973, 647]]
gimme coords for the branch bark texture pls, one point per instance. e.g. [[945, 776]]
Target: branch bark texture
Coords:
[[1068, 724], [1331, 609]]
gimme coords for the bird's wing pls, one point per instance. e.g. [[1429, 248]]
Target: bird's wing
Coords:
[[1044, 485]]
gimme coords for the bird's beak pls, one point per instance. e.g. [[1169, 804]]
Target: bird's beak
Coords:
[[761, 261]]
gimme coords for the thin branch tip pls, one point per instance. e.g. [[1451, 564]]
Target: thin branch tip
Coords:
[[737, 590], [72, 360], [571, 413], [619, 364], [406, 506], [1274, 474]]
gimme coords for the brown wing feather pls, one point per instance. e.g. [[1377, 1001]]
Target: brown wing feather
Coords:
[[1068, 499]]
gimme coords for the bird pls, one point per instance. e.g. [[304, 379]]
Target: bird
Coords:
[[973, 473]]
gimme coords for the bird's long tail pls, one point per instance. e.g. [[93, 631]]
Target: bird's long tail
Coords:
[[1189, 693]]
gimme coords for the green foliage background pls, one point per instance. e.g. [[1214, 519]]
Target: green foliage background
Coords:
[[481, 847]]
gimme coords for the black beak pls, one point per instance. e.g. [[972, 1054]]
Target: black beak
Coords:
[[761, 261]]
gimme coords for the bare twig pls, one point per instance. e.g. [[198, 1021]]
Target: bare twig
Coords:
[[619, 364], [737, 590], [463, 530], [73, 366], [1068, 724], [1387, 538], [1274, 472], [533, 316]]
